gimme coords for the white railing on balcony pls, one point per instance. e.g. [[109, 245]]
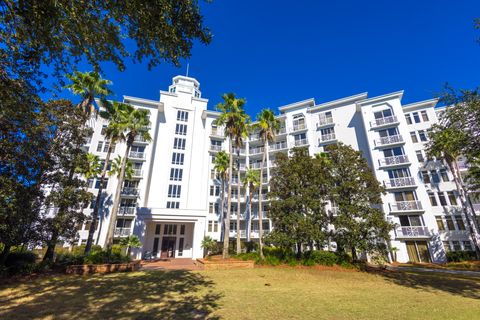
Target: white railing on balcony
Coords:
[[233, 233], [257, 165], [279, 146], [264, 197], [215, 147], [137, 173], [400, 182], [394, 160], [136, 155], [412, 232], [327, 137], [384, 141], [301, 142], [324, 121], [139, 139], [243, 166], [282, 130], [122, 232], [216, 132], [298, 127], [127, 210], [271, 163], [257, 150], [129, 191], [383, 121], [406, 206], [254, 137]]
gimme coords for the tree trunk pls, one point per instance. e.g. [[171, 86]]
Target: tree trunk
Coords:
[[116, 202], [354, 254], [98, 201], [4, 254], [50, 253], [260, 209], [249, 222], [465, 206], [222, 211], [226, 237], [239, 244], [299, 250]]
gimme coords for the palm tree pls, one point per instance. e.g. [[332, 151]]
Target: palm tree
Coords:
[[116, 168], [267, 126], [111, 111], [88, 85], [252, 181], [221, 167], [129, 242], [446, 143], [134, 123], [232, 113]]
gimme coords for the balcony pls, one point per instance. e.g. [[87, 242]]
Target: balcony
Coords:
[[217, 133], [139, 139], [137, 173], [406, 206], [136, 155], [243, 167], [384, 122], [215, 147], [327, 138], [264, 197], [281, 131], [324, 122], [397, 183], [254, 137], [256, 151], [299, 127], [127, 211], [390, 140], [122, 232], [413, 232], [257, 165], [278, 146], [130, 191], [394, 161], [301, 142]]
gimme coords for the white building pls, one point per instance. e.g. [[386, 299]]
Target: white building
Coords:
[[172, 201]]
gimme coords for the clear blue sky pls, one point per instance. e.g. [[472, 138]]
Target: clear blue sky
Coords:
[[277, 52]]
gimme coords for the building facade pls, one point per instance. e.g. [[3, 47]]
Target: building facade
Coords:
[[172, 200]]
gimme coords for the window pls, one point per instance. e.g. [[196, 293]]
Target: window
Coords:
[[456, 246], [107, 144], [425, 177], [413, 135], [452, 198], [446, 245], [467, 246], [440, 224], [170, 229], [435, 176], [424, 115], [420, 157], [212, 226], [181, 129], [213, 207], [173, 205], [180, 247], [100, 146], [176, 174], [178, 158], [460, 223], [416, 117], [444, 174], [441, 197], [215, 190], [383, 114], [158, 228], [182, 229], [408, 118], [433, 200], [174, 191], [97, 183], [450, 225], [104, 129], [422, 135], [179, 143], [182, 115]]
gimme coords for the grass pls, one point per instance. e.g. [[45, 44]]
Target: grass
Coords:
[[260, 293], [464, 265]]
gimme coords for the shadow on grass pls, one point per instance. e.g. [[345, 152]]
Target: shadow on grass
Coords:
[[174, 294], [468, 287]]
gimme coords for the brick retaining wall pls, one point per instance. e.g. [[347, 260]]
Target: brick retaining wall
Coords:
[[103, 268]]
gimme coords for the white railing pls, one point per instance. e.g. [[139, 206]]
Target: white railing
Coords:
[[298, 127], [327, 137], [243, 233], [127, 210], [279, 146], [137, 173], [255, 137], [301, 142], [139, 139], [383, 141], [383, 121], [400, 182], [257, 165], [406, 206], [215, 147], [216, 132], [136, 155], [243, 166], [412, 232], [264, 197], [394, 160], [324, 121], [257, 150], [282, 130], [122, 232], [129, 191]]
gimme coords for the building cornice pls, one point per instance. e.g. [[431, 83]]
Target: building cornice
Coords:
[[210, 113], [346, 100], [377, 99], [147, 102], [307, 102], [421, 104]]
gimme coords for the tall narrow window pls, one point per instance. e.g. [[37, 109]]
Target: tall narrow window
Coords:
[[444, 174], [181, 129], [422, 135], [420, 157], [416, 117], [408, 118], [443, 200], [452, 198], [413, 135], [460, 223], [433, 200], [182, 115], [440, 224], [424, 115], [450, 225]]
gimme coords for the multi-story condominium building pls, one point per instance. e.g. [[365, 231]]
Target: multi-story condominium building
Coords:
[[172, 200]]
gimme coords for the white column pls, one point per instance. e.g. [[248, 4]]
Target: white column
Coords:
[[139, 229], [198, 234]]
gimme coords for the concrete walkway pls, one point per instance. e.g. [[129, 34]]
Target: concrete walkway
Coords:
[[171, 264], [415, 269]]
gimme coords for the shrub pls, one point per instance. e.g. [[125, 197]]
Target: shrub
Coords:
[[343, 258], [69, 259], [459, 256], [280, 253], [272, 260], [324, 258], [20, 261], [308, 262]]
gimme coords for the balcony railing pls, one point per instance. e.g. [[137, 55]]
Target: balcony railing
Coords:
[[217, 132], [383, 121], [412, 232], [400, 182], [327, 137], [137, 173], [301, 142], [279, 146], [129, 191], [282, 130], [242, 166], [136, 155], [122, 232], [215, 147], [257, 150], [254, 137], [414, 205], [127, 210], [298, 127], [264, 197], [394, 160], [385, 141], [139, 139], [257, 165], [324, 122]]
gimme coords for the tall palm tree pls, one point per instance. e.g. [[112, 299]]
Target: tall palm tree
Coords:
[[252, 181], [134, 123], [116, 168], [221, 167], [88, 85], [112, 112], [232, 113], [446, 143], [267, 126]]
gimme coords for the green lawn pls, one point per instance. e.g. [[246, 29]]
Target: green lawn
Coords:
[[261, 293]]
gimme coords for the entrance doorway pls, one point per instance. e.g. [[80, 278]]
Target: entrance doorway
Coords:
[[168, 247], [418, 251]]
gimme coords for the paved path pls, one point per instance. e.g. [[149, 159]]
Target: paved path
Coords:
[[171, 264], [415, 269]]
